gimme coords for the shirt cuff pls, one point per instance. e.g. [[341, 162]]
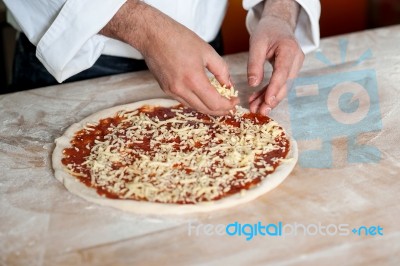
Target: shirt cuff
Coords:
[[72, 44], [307, 28]]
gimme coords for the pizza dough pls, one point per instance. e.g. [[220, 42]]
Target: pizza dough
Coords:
[[144, 207]]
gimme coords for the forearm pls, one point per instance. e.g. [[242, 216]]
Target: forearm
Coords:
[[131, 24], [285, 10]]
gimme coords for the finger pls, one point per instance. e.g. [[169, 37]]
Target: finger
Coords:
[[255, 95], [280, 74], [218, 67], [182, 101], [258, 104], [281, 95], [264, 109], [297, 64], [278, 98], [255, 64], [255, 104], [190, 99]]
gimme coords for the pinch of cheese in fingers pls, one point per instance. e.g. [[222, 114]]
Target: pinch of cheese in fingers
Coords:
[[223, 90]]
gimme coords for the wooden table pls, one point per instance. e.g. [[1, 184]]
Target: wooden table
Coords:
[[41, 223]]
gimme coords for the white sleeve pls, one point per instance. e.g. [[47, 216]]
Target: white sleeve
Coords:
[[307, 28], [65, 31]]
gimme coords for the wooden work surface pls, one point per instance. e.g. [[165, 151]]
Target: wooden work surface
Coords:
[[41, 223]]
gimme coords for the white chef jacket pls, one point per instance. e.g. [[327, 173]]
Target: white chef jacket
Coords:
[[65, 32]]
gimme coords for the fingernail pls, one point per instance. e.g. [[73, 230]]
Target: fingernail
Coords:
[[253, 81], [267, 111], [271, 100]]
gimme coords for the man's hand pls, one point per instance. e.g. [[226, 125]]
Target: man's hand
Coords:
[[176, 56], [274, 40]]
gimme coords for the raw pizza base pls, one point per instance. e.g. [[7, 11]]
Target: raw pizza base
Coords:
[[143, 207]]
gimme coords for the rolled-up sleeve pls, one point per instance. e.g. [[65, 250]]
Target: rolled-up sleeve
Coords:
[[65, 32], [307, 28]]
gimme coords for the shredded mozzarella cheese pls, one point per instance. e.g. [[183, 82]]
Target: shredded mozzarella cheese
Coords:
[[187, 159], [223, 90]]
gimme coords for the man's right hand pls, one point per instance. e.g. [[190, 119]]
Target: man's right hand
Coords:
[[175, 55]]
